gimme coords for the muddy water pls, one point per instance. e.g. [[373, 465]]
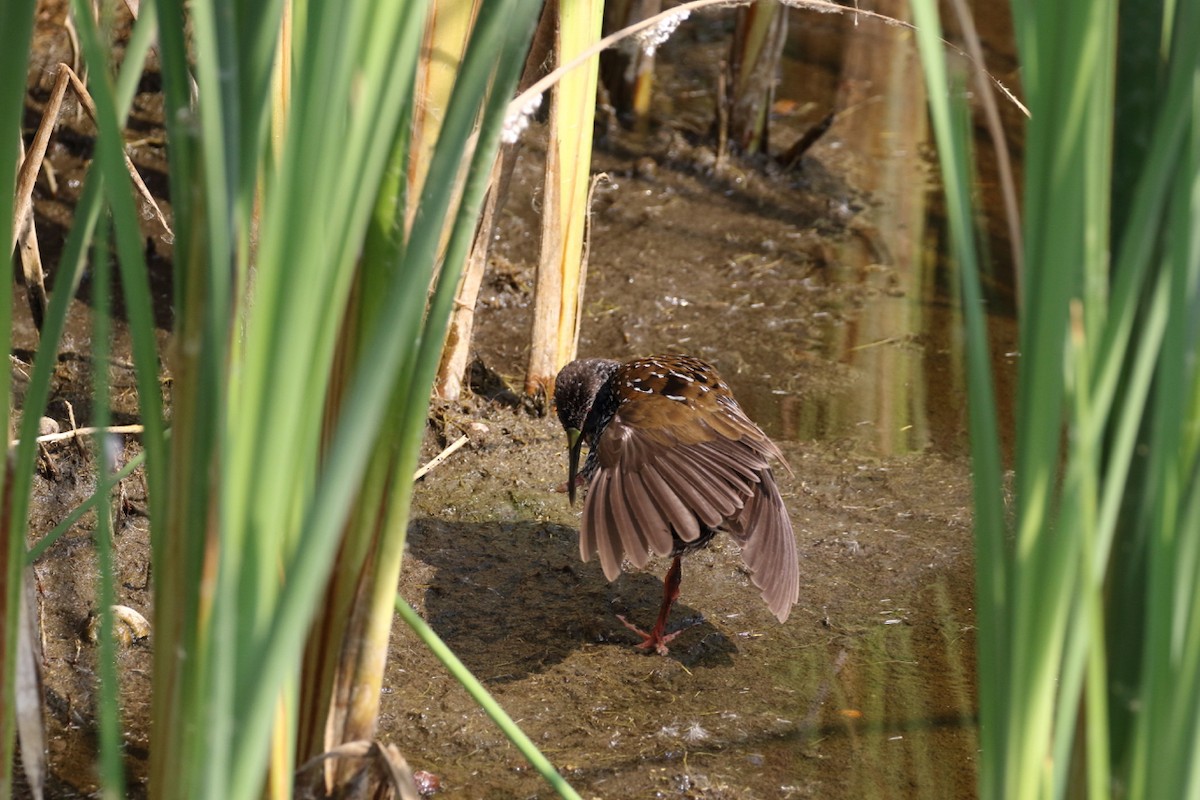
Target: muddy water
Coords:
[[823, 296]]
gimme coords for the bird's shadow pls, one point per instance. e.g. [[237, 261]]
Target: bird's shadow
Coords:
[[513, 598]]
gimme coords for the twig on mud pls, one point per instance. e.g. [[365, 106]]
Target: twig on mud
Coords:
[[77, 432], [442, 456], [19, 367], [75, 426], [31, 262], [41, 140]]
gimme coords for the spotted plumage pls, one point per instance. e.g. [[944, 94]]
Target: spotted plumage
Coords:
[[673, 459]]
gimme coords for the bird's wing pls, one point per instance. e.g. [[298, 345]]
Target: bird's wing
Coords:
[[769, 546], [661, 469]]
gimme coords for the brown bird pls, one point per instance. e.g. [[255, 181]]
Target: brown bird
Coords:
[[672, 459]]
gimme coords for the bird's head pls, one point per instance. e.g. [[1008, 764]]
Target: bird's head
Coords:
[[575, 390]]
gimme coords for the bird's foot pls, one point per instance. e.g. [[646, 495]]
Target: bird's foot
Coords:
[[565, 485], [657, 638]]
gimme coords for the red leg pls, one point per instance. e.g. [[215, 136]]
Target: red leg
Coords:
[[658, 637]]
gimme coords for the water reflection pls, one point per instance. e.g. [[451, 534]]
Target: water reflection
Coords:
[[897, 346], [894, 707]]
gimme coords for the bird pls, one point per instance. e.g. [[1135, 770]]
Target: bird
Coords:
[[672, 459]]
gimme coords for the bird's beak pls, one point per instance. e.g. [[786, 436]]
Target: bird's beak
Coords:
[[575, 440]]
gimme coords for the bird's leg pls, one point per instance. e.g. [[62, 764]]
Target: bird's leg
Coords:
[[658, 637]]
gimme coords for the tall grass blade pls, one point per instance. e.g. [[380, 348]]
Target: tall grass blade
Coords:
[[16, 26], [263, 470], [484, 699], [379, 526], [952, 133], [346, 652], [1087, 628], [18, 476], [111, 767]]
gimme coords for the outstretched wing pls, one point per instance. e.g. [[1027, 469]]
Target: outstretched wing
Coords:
[[769, 547], [662, 471]]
